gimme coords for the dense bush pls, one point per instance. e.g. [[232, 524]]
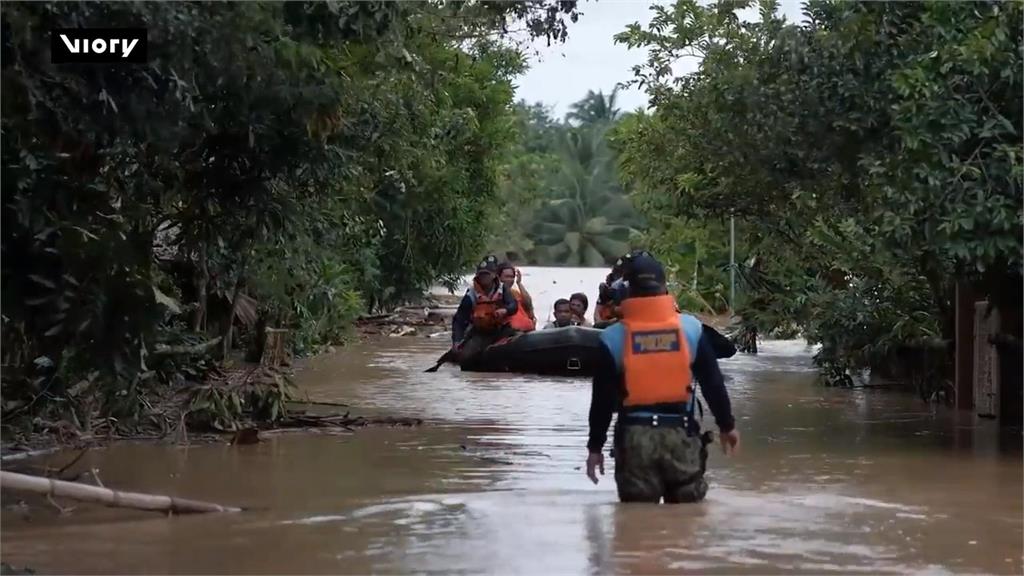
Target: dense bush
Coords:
[[870, 154], [273, 163]]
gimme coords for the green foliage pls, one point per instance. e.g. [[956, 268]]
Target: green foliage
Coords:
[[300, 281], [288, 161], [529, 161], [871, 156], [594, 109], [230, 403], [694, 250], [563, 201], [585, 217], [695, 253]]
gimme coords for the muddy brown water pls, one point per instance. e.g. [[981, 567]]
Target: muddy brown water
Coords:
[[827, 480]]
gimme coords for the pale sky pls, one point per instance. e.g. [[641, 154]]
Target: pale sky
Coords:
[[591, 60]]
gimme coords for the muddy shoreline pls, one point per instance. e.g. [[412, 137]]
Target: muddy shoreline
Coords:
[[429, 318], [313, 419]]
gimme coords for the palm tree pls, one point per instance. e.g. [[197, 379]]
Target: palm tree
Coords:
[[586, 219], [595, 108]]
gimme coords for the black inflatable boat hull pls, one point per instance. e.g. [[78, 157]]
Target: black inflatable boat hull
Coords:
[[570, 351]]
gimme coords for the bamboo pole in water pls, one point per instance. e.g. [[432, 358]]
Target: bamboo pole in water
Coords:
[[27, 455], [116, 498]]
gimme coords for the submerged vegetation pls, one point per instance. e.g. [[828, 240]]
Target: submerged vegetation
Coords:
[[284, 165]]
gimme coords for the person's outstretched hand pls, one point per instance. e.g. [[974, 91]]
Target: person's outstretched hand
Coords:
[[730, 441], [595, 462]]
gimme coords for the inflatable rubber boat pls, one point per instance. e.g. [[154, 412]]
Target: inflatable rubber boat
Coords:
[[569, 351]]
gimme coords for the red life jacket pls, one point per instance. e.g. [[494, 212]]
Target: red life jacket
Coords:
[[656, 359]]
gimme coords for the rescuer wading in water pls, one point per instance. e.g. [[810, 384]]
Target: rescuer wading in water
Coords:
[[646, 371]]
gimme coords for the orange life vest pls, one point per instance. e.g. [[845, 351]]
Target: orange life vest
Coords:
[[521, 321], [656, 359], [484, 308], [604, 313]]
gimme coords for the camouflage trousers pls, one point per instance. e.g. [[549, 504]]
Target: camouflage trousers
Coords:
[[655, 462]]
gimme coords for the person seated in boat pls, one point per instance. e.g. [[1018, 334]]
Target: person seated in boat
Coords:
[[563, 315], [579, 303], [483, 314], [524, 319]]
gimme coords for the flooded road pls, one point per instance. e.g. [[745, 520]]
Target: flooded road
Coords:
[[827, 481]]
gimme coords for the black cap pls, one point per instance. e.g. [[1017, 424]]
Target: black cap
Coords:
[[488, 264], [620, 264], [644, 273]]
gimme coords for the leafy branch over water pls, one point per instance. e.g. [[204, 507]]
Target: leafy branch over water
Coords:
[[273, 164]]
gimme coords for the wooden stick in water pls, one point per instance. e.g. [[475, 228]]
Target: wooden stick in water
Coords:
[[116, 498]]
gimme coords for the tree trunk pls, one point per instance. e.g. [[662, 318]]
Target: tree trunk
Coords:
[[229, 324], [86, 493], [202, 280], [274, 350], [942, 290]]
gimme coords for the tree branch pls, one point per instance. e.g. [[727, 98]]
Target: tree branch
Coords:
[[187, 350]]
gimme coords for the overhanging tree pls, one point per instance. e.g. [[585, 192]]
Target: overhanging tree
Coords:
[[872, 155]]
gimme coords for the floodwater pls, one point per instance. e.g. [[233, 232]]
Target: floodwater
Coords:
[[827, 480]]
